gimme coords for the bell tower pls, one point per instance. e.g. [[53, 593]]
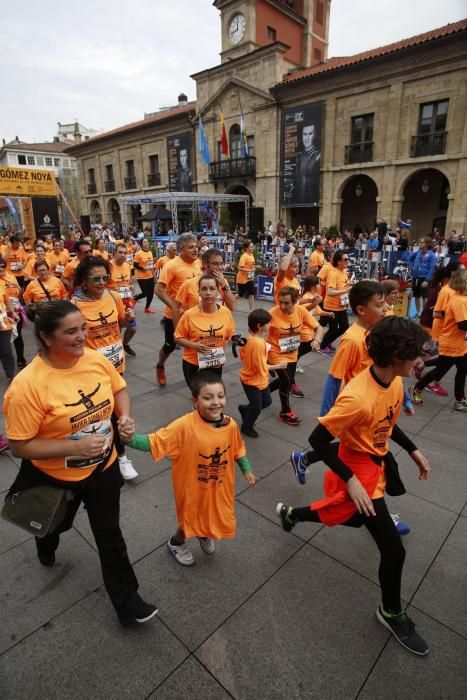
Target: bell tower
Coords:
[[303, 25]]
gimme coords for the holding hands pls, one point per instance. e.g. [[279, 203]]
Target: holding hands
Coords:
[[126, 428]]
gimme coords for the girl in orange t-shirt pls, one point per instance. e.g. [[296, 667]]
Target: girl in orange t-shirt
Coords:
[[39, 255], [204, 331], [336, 300], [246, 274], [361, 469], [204, 446]]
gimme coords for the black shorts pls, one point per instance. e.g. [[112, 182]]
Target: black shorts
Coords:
[[246, 290], [417, 289]]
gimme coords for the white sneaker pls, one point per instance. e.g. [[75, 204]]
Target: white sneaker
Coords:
[[127, 469], [181, 553], [299, 369], [207, 545]]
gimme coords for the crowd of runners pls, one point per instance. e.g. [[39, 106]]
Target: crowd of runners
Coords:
[[68, 411]]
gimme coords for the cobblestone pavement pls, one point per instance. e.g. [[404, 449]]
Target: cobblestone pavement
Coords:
[[271, 615]]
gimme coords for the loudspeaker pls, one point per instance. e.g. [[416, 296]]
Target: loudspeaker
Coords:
[[256, 222], [85, 223]]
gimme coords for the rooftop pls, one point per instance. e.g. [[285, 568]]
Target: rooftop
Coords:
[[47, 147]]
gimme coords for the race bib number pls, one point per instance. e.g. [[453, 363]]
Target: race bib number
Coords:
[[345, 300], [3, 321], [289, 344], [251, 275], [59, 268], [15, 266], [129, 259], [213, 358], [149, 266], [125, 292], [15, 303], [114, 353], [102, 428]]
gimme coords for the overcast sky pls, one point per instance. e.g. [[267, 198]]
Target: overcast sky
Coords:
[[107, 62]]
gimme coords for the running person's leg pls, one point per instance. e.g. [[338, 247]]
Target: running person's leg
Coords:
[[166, 350], [6, 355]]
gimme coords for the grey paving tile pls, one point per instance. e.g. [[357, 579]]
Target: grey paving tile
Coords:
[[441, 674], [85, 653], [449, 428], [147, 516], [10, 535], [443, 593], [31, 594], [137, 385], [8, 472], [354, 547], [193, 601], [447, 484], [157, 411], [310, 621], [265, 454], [298, 435], [282, 486], [190, 680]]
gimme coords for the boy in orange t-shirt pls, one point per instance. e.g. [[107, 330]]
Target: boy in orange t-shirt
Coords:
[[204, 446], [254, 374], [361, 469]]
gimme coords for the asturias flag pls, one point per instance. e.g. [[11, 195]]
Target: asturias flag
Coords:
[[203, 143], [224, 143]]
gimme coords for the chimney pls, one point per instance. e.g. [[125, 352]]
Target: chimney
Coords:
[[182, 99], [56, 139], [76, 134]]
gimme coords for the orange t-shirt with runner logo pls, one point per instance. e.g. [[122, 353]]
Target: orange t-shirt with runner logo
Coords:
[[160, 262], [453, 341], [64, 404], [146, 261], [365, 413], [336, 279], [15, 258], [57, 263], [203, 473], [243, 276], [10, 287], [254, 356], [34, 292], [173, 275], [120, 279], [102, 317], [352, 355], [323, 276], [285, 331], [316, 261], [444, 297], [213, 330], [101, 254]]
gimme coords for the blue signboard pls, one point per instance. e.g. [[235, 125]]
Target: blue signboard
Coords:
[[265, 288]]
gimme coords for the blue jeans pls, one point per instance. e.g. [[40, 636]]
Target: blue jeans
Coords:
[[258, 399]]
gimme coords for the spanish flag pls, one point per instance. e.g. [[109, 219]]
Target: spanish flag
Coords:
[[224, 142]]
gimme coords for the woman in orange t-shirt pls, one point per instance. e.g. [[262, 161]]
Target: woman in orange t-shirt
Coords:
[[287, 272], [9, 285], [57, 414], [39, 255], [288, 320], [452, 345], [143, 263], [246, 274], [6, 356], [336, 300], [46, 287], [204, 331], [100, 251]]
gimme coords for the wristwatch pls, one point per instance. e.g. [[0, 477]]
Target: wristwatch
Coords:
[[226, 288]]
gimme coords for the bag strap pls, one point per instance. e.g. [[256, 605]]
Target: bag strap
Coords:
[[45, 290]]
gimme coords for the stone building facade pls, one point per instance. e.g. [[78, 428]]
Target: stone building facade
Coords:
[[393, 137]]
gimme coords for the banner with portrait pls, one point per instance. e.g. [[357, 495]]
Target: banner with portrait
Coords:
[[301, 155], [179, 158]]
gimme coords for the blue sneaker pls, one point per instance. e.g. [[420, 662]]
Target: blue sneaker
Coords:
[[401, 527], [299, 468]]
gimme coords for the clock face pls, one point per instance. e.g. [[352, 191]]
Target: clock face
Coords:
[[237, 29]]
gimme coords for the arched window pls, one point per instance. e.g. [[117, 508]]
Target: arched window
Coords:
[[235, 142]]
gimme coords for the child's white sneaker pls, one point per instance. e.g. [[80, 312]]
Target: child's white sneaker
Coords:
[[181, 553], [207, 545]]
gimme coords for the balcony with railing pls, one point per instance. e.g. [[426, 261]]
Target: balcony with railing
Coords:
[[240, 167], [130, 183], [431, 144], [109, 185], [359, 152], [92, 188], [154, 179]]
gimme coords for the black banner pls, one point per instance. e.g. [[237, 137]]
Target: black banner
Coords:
[[301, 155], [45, 212], [179, 153]]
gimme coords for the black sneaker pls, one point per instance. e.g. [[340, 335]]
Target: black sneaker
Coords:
[[129, 351], [403, 629], [46, 558], [137, 610], [242, 410], [285, 514], [251, 432]]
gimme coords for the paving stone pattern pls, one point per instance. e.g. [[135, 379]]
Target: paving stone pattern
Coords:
[[271, 615]]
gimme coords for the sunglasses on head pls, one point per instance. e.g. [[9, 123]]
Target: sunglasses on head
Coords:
[[2, 267], [99, 278]]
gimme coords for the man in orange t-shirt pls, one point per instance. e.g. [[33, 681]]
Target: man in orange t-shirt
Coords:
[[83, 249], [16, 259], [170, 254], [57, 259], [246, 274], [317, 259], [173, 274], [336, 300], [204, 446], [121, 281]]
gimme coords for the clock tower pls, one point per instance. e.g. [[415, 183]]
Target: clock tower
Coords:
[[303, 25]]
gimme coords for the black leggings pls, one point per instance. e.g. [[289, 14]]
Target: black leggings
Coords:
[[6, 355], [169, 344], [337, 326], [443, 365], [258, 399], [382, 529], [191, 371], [147, 290], [283, 381], [19, 343]]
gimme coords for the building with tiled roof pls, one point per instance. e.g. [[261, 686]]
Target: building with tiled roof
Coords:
[[339, 141]]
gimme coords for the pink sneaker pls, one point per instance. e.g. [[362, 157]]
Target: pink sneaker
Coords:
[[3, 444], [437, 389]]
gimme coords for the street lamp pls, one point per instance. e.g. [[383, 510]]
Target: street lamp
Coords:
[[358, 189], [425, 185]]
